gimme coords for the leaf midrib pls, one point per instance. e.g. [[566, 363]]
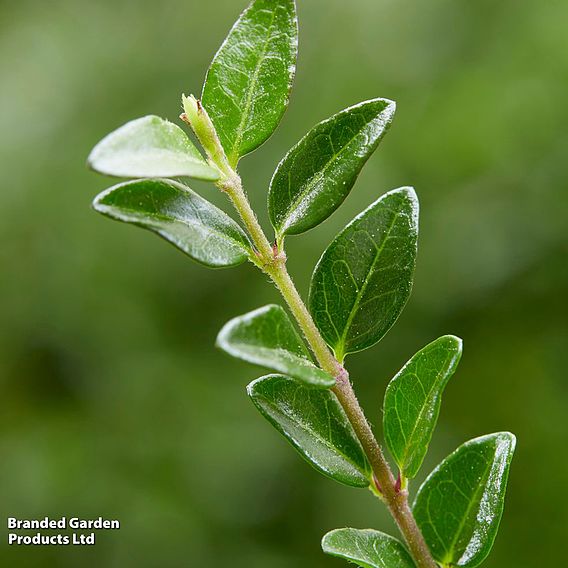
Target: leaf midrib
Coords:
[[428, 398], [364, 287], [295, 358], [296, 366], [248, 99], [174, 221], [323, 441], [312, 182], [474, 499]]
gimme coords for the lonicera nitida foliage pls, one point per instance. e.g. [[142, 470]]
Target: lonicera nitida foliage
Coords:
[[358, 290]]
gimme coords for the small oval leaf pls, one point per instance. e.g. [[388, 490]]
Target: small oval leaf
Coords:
[[179, 215], [267, 337], [316, 176], [413, 399], [459, 506], [149, 147], [367, 548], [363, 280], [248, 85], [314, 422]]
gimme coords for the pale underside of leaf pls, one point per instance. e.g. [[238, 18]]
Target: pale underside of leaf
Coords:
[[367, 548], [314, 422], [413, 399], [179, 215], [267, 337], [150, 147], [460, 504]]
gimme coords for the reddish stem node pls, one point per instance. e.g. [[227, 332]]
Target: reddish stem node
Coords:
[[398, 484]]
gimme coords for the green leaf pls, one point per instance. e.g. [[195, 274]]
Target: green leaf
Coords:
[[248, 84], [367, 548], [316, 176], [314, 422], [267, 337], [413, 399], [149, 147], [364, 278], [179, 215], [459, 506]]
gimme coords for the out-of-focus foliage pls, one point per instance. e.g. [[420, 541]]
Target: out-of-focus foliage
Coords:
[[107, 334]]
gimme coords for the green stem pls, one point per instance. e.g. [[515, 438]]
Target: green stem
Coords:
[[273, 263], [275, 267], [281, 277], [395, 499], [234, 189]]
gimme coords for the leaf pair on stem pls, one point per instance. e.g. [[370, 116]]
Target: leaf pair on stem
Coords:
[[358, 289]]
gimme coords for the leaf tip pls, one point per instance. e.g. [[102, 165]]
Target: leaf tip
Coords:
[[507, 440], [454, 341], [409, 192], [191, 106], [411, 196], [98, 202], [385, 110], [326, 538], [221, 340], [89, 163], [390, 108], [250, 388]]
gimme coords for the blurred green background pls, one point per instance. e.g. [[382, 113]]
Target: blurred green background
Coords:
[[114, 401]]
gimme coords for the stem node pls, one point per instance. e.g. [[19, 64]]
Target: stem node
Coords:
[[342, 377]]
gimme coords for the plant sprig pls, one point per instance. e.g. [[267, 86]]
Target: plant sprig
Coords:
[[358, 290]]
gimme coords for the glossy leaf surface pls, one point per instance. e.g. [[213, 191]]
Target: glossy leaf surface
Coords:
[[459, 506], [313, 421], [180, 216], [364, 278], [367, 548], [248, 84], [316, 176], [413, 399], [267, 337], [149, 147]]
